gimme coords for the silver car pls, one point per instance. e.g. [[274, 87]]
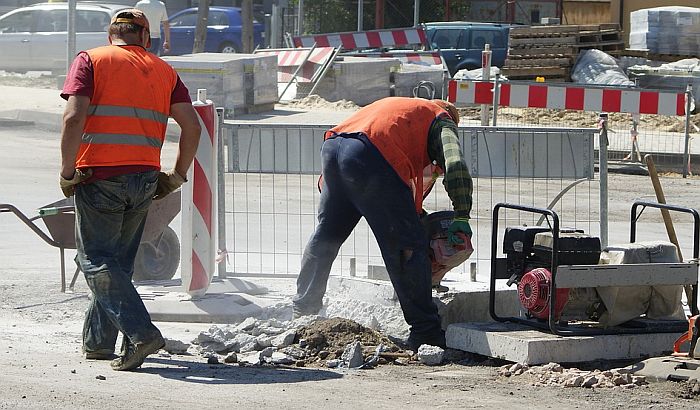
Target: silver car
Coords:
[[35, 37]]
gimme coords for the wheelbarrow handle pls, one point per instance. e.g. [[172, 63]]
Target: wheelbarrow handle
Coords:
[[55, 210]]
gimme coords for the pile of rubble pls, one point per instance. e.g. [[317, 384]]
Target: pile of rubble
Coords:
[[309, 341], [553, 374]]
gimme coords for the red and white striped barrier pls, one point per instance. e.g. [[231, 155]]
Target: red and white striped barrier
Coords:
[[199, 206], [569, 97], [364, 39], [289, 59], [407, 57]]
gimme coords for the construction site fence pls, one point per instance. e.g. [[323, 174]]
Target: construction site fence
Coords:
[[272, 194], [658, 122]]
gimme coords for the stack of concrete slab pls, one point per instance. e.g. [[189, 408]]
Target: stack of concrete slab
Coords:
[[666, 30], [358, 79], [241, 83], [410, 77]]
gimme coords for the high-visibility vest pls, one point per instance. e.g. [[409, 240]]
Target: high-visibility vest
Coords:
[[398, 127], [129, 109]]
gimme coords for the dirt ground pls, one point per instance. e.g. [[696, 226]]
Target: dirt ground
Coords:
[[40, 336]]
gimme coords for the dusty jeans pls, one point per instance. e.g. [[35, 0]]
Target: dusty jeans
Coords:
[[358, 182], [110, 217]]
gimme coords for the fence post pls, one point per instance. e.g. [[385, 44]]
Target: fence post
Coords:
[[221, 199], [496, 96], [485, 76], [686, 151], [603, 171]]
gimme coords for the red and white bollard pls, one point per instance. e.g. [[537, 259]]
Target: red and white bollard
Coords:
[[199, 205]]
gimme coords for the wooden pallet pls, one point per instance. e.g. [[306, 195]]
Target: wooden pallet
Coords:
[[562, 30], [513, 72], [540, 52], [538, 62]]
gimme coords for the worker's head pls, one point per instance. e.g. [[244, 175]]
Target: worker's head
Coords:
[[450, 108], [131, 27]]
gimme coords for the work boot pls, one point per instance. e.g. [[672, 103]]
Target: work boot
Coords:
[[298, 312], [415, 341], [135, 354]]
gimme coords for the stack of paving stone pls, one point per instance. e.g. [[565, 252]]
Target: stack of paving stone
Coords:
[[666, 30], [550, 51]]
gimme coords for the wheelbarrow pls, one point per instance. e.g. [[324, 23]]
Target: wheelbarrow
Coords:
[[158, 255]]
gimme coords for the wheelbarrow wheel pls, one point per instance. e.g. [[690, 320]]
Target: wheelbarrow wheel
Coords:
[[158, 260]]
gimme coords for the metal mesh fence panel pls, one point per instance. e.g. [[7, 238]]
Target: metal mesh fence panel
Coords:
[[272, 194]]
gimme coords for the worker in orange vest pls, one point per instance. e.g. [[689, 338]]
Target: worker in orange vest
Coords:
[[119, 99], [373, 166]]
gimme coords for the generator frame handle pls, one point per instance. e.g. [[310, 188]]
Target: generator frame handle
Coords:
[[634, 217], [551, 325]]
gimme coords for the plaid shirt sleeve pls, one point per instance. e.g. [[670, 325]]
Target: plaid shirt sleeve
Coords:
[[443, 147]]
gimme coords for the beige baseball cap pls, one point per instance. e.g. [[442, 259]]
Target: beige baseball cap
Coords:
[[133, 16]]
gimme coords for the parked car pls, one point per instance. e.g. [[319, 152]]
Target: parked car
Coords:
[[461, 43], [35, 37], [223, 31]]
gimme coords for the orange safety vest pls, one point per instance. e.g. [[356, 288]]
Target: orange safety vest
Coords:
[[129, 109], [398, 127]]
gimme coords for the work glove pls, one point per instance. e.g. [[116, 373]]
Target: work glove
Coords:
[[167, 183], [68, 185], [458, 225]]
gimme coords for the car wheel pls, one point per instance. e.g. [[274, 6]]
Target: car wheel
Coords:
[[158, 260], [227, 48]]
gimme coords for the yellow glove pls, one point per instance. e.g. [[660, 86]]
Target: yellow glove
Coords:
[[68, 185], [167, 183]]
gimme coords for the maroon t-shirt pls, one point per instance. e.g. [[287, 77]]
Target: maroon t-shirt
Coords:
[[80, 81]]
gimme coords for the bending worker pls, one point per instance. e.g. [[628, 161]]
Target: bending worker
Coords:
[[373, 165], [119, 99]]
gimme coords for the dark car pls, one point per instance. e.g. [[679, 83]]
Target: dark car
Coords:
[[223, 32], [461, 43]]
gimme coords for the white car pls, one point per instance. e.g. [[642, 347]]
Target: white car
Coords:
[[35, 37]]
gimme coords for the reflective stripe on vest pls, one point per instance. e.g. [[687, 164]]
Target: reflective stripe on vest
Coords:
[[398, 127], [119, 111], [122, 139]]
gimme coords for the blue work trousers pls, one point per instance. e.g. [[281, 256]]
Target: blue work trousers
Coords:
[[359, 182], [110, 217]]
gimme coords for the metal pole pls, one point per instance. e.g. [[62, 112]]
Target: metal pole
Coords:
[[496, 95], [221, 192], [360, 14], [300, 18], [416, 13], [70, 45], [686, 150], [485, 76], [603, 170], [275, 29]]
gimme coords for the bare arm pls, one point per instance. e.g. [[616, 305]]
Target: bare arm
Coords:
[[74, 117], [166, 34], [187, 119]]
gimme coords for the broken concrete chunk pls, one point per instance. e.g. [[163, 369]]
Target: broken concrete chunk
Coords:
[[432, 355], [285, 339], [251, 358], [281, 358], [352, 356], [295, 352], [231, 358], [267, 352], [265, 341], [246, 325], [590, 381], [333, 363], [173, 346], [576, 381]]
